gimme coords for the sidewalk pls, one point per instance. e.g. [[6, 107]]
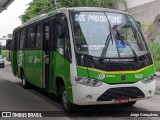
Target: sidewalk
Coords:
[[158, 74]]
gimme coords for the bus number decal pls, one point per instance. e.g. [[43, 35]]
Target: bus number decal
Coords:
[[138, 76], [33, 59], [36, 60], [113, 18], [30, 59]]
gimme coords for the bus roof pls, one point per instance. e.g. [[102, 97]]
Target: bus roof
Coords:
[[44, 16], [96, 9]]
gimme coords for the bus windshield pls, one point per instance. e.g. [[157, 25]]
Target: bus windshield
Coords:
[[112, 34]]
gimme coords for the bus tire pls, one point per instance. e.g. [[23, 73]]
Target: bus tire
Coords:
[[24, 82], [130, 103], [67, 106]]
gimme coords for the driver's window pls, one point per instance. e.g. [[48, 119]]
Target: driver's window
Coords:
[[79, 37], [60, 46], [63, 42], [60, 39]]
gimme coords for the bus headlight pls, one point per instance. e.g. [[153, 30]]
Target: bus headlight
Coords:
[[88, 81], [149, 79]]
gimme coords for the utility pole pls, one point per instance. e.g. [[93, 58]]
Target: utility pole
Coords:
[[55, 2]]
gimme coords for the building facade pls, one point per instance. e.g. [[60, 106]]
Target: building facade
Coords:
[[144, 11]]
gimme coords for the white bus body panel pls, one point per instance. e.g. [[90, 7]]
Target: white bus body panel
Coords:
[[80, 92]]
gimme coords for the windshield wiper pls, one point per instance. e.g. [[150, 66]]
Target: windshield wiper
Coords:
[[133, 51], [109, 38]]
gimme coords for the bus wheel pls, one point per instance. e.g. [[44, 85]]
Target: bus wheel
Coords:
[[68, 107], [130, 103], [24, 83]]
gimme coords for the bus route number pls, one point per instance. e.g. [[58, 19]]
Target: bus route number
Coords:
[[80, 18]]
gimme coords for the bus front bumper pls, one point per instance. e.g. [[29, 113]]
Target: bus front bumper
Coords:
[[107, 94]]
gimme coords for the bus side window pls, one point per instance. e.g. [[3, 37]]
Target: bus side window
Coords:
[[60, 40], [15, 44], [22, 38], [30, 38], [67, 41], [60, 46], [39, 36], [63, 41]]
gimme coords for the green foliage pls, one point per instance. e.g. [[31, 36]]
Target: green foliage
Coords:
[[38, 7], [155, 48]]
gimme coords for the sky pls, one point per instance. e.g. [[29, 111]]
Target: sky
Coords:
[[9, 19]]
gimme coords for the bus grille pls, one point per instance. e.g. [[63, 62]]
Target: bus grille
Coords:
[[121, 93]]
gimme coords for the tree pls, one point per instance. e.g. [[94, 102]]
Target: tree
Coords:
[[38, 7]]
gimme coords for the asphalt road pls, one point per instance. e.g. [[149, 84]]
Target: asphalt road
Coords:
[[14, 98]]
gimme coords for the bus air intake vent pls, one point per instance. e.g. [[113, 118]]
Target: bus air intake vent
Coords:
[[121, 93]]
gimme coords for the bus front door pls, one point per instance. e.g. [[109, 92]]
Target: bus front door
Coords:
[[46, 60]]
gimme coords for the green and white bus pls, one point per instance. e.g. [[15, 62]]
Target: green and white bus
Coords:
[[86, 55]]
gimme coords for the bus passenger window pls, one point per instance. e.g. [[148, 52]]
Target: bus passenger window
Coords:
[[68, 55], [30, 38], [60, 45], [39, 36], [63, 41], [22, 38], [15, 44]]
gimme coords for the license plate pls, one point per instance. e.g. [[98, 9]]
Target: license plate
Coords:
[[120, 101]]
